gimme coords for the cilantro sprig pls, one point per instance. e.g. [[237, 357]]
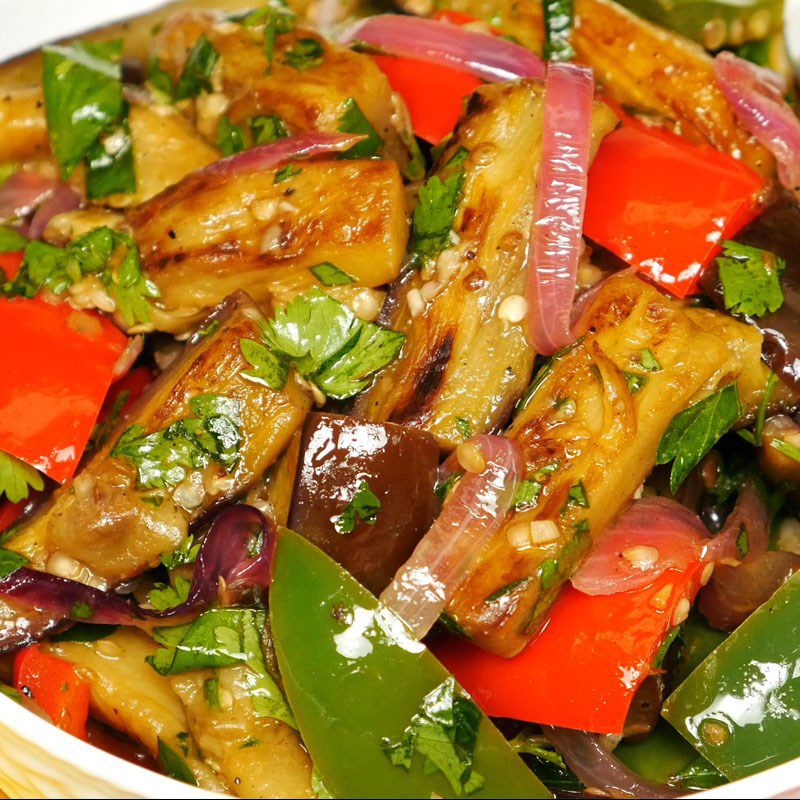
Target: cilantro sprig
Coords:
[[165, 457], [327, 344], [304, 54], [112, 256], [443, 732], [353, 120], [364, 506], [17, 478], [751, 279]]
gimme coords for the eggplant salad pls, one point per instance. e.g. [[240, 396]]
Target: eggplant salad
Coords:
[[400, 401]]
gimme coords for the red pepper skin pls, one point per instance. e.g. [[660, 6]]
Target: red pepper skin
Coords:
[[664, 205], [55, 687], [10, 263], [434, 94], [57, 364], [584, 667], [9, 513]]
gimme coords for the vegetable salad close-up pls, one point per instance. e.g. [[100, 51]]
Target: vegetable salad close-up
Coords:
[[401, 400]]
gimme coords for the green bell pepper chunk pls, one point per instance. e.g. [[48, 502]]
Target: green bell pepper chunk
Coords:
[[714, 23], [378, 713], [739, 708], [696, 641]]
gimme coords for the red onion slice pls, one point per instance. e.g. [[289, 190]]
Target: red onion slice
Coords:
[[652, 535], [22, 193], [602, 772], [556, 240], [267, 156], [756, 95], [474, 512], [224, 562], [751, 514], [489, 57], [64, 198]]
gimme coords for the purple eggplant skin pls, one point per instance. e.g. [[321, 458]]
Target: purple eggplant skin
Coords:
[[777, 230], [399, 464]]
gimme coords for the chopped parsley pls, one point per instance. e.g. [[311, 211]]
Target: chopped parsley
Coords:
[[508, 589], [443, 732], [223, 637], [648, 360], [558, 22], [161, 85], [527, 492], [111, 256], [695, 430], [757, 435], [267, 128], [435, 214], [17, 478], [364, 506], [463, 427], [164, 458], [185, 553], [230, 137], [87, 115], [211, 692], [284, 173], [330, 275], [10, 562], [751, 279], [196, 75], [163, 595], [548, 572], [304, 54], [577, 496], [326, 342], [276, 19], [353, 120], [635, 381], [742, 541], [173, 765]]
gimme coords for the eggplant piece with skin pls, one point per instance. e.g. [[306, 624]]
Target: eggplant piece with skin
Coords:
[[638, 64], [311, 94], [589, 442], [104, 526], [464, 365], [399, 465], [261, 231], [777, 231], [128, 694]]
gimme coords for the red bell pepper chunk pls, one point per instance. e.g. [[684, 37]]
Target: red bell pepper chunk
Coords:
[[460, 18], [134, 383], [57, 364], [583, 669], [55, 687], [433, 93], [664, 205], [9, 513]]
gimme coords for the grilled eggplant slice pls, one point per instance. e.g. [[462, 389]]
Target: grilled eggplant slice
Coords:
[[639, 64], [589, 438], [464, 367], [312, 94], [261, 231], [133, 698], [22, 123], [257, 756], [104, 526]]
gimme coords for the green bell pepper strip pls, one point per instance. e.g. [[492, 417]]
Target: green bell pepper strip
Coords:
[[355, 681], [739, 708], [695, 643], [714, 23]]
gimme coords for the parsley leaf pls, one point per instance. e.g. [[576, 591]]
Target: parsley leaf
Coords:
[[434, 215], [695, 430], [17, 478], [185, 553], [267, 128], [443, 732], [330, 275], [463, 427], [163, 596], [197, 72], [327, 344], [648, 360], [173, 765], [558, 21], [162, 86], [164, 458], [109, 162], [364, 505], [284, 173], [742, 541], [750, 279], [223, 637], [527, 492], [230, 137], [304, 54], [577, 496], [635, 381], [353, 120], [211, 692], [10, 562]]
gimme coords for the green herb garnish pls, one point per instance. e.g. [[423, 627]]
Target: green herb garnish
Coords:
[[463, 427], [364, 506], [230, 137], [197, 72], [173, 765], [648, 360], [353, 120], [185, 553], [304, 54], [10, 562], [751, 279], [284, 173], [267, 128], [17, 478], [163, 595], [330, 275], [435, 214], [558, 22]]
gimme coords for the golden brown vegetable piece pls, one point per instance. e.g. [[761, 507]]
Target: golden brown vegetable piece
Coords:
[[339, 455], [638, 64], [781, 437], [103, 527], [590, 442], [273, 494], [306, 94], [257, 756], [467, 361], [132, 697], [23, 130], [261, 231]]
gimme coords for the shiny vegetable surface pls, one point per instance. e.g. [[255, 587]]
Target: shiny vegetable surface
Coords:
[[338, 455], [356, 680], [738, 707], [699, 196]]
